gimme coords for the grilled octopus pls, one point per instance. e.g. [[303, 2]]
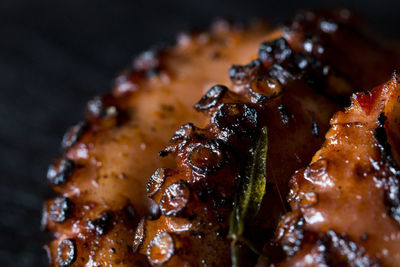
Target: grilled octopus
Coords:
[[102, 215], [346, 203], [291, 89], [100, 178]]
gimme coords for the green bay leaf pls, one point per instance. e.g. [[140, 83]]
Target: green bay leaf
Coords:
[[249, 195]]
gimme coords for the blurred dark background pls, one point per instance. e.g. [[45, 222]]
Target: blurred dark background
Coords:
[[55, 55]]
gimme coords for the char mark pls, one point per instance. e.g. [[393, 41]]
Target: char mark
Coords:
[[60, 174]]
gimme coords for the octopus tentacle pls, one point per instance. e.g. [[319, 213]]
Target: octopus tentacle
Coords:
[[103, 214], [101, 176], [289, 89], [350, 191]]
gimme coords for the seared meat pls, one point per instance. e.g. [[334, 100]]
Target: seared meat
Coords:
[[107, 159], [346, 203], [290, 89], [103, 216]]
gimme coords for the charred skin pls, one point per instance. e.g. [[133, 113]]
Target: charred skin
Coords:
[[289, 89], [340, 38], [100, 215], [346, 203], [107, 159]]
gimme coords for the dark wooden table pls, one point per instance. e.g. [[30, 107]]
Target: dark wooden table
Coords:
[[55, 55]]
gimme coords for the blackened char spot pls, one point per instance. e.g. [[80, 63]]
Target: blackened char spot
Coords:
[[285, 114], [130, 211], [381, 120], [94, 107], [315, 130], [364, 237], [153, 72], [381, 138], [392, 193], [237, 118], [215, 55], [59, 175], [219, 201], [211, 98], [204, 191], [339, 250], [276, 51], [382, 141], [98, 108], [154, 211], [328, 26], [293, 239], [66, 252], [282, 74], [102, 224], [392, 198], [60, 210], [240, 74], [163, 153], [73, 134], [147, 60], [311, 70]]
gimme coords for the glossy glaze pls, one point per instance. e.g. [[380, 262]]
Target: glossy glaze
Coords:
[[107, 160], [291, 90], [348, 197]]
